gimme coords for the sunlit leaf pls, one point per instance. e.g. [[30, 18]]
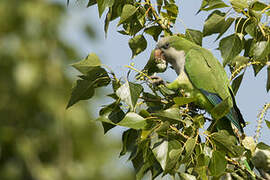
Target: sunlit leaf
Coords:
[[161, 153], [169, 114], [134, 121], [260, 50], [86, 65], [239, 5], [129, 93], [127, 12], [217, 163], [208, 5], [183, 100], [194, 35], [185, 176], [103, 4], [189, 147], [249, 143], [227, 142]]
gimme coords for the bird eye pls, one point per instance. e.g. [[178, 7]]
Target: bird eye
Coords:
[[166, 46]]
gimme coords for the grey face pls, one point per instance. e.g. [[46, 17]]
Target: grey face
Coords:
[[167, 51]]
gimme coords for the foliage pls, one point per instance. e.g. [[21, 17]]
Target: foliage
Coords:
[[166, 133], [39, 139]]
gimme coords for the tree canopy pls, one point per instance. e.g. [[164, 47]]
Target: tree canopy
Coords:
[[165, 134]]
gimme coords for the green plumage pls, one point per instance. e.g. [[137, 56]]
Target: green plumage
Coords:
[[202, 77]]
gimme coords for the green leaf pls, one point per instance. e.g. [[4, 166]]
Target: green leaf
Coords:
[[137, 44], [257, 6], [194, 36], [251, 29], [169, 114], [225, 27], [236, 83], [154, 31], [87, 64], [214, 23], [183, 100], [160, 151], [221, 109], [174, 153], [189, 147], [249, 143], [267, 123], [172, 8], [199, 121], [208, 5], [129, 93], [238, 61], [134, 121], [127, 12], [260, 50], [110, 115], [185, 176], [239, 5], [227, 142], [230, 47], [263, 146], [129, 138], [85, 87], [268, 79], [91, 3], [217, 163], [103, 4], [257, 68], [167, 153], [203, 160]]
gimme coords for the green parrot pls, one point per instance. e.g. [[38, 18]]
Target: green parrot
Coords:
[[202, 77]]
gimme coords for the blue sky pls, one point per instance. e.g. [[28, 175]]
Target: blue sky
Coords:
[[114, 52]]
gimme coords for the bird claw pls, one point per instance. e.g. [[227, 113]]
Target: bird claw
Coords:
[[156, 80]]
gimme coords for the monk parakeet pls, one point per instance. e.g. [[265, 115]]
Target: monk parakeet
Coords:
[[201, 76]]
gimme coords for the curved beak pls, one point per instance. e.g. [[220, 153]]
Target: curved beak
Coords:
[[158, 54]]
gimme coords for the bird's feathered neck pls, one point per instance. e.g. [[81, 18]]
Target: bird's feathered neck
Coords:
[[177, 60]]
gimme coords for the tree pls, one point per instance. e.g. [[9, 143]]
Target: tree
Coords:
[[39, 139], [166, 132]]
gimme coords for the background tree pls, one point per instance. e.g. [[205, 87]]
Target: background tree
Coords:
[[39, 139], [165, 136]]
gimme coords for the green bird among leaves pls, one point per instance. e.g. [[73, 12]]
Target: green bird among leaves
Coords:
[[201, 77]]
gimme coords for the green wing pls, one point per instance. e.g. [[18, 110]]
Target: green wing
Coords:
[[207, 75], [205, 72]]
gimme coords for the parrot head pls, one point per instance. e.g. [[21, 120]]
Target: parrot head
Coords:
[[165, 49], [172, 49]]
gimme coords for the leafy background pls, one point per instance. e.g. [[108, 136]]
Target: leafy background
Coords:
[[251, 96], [39, 139], [171, 146]]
